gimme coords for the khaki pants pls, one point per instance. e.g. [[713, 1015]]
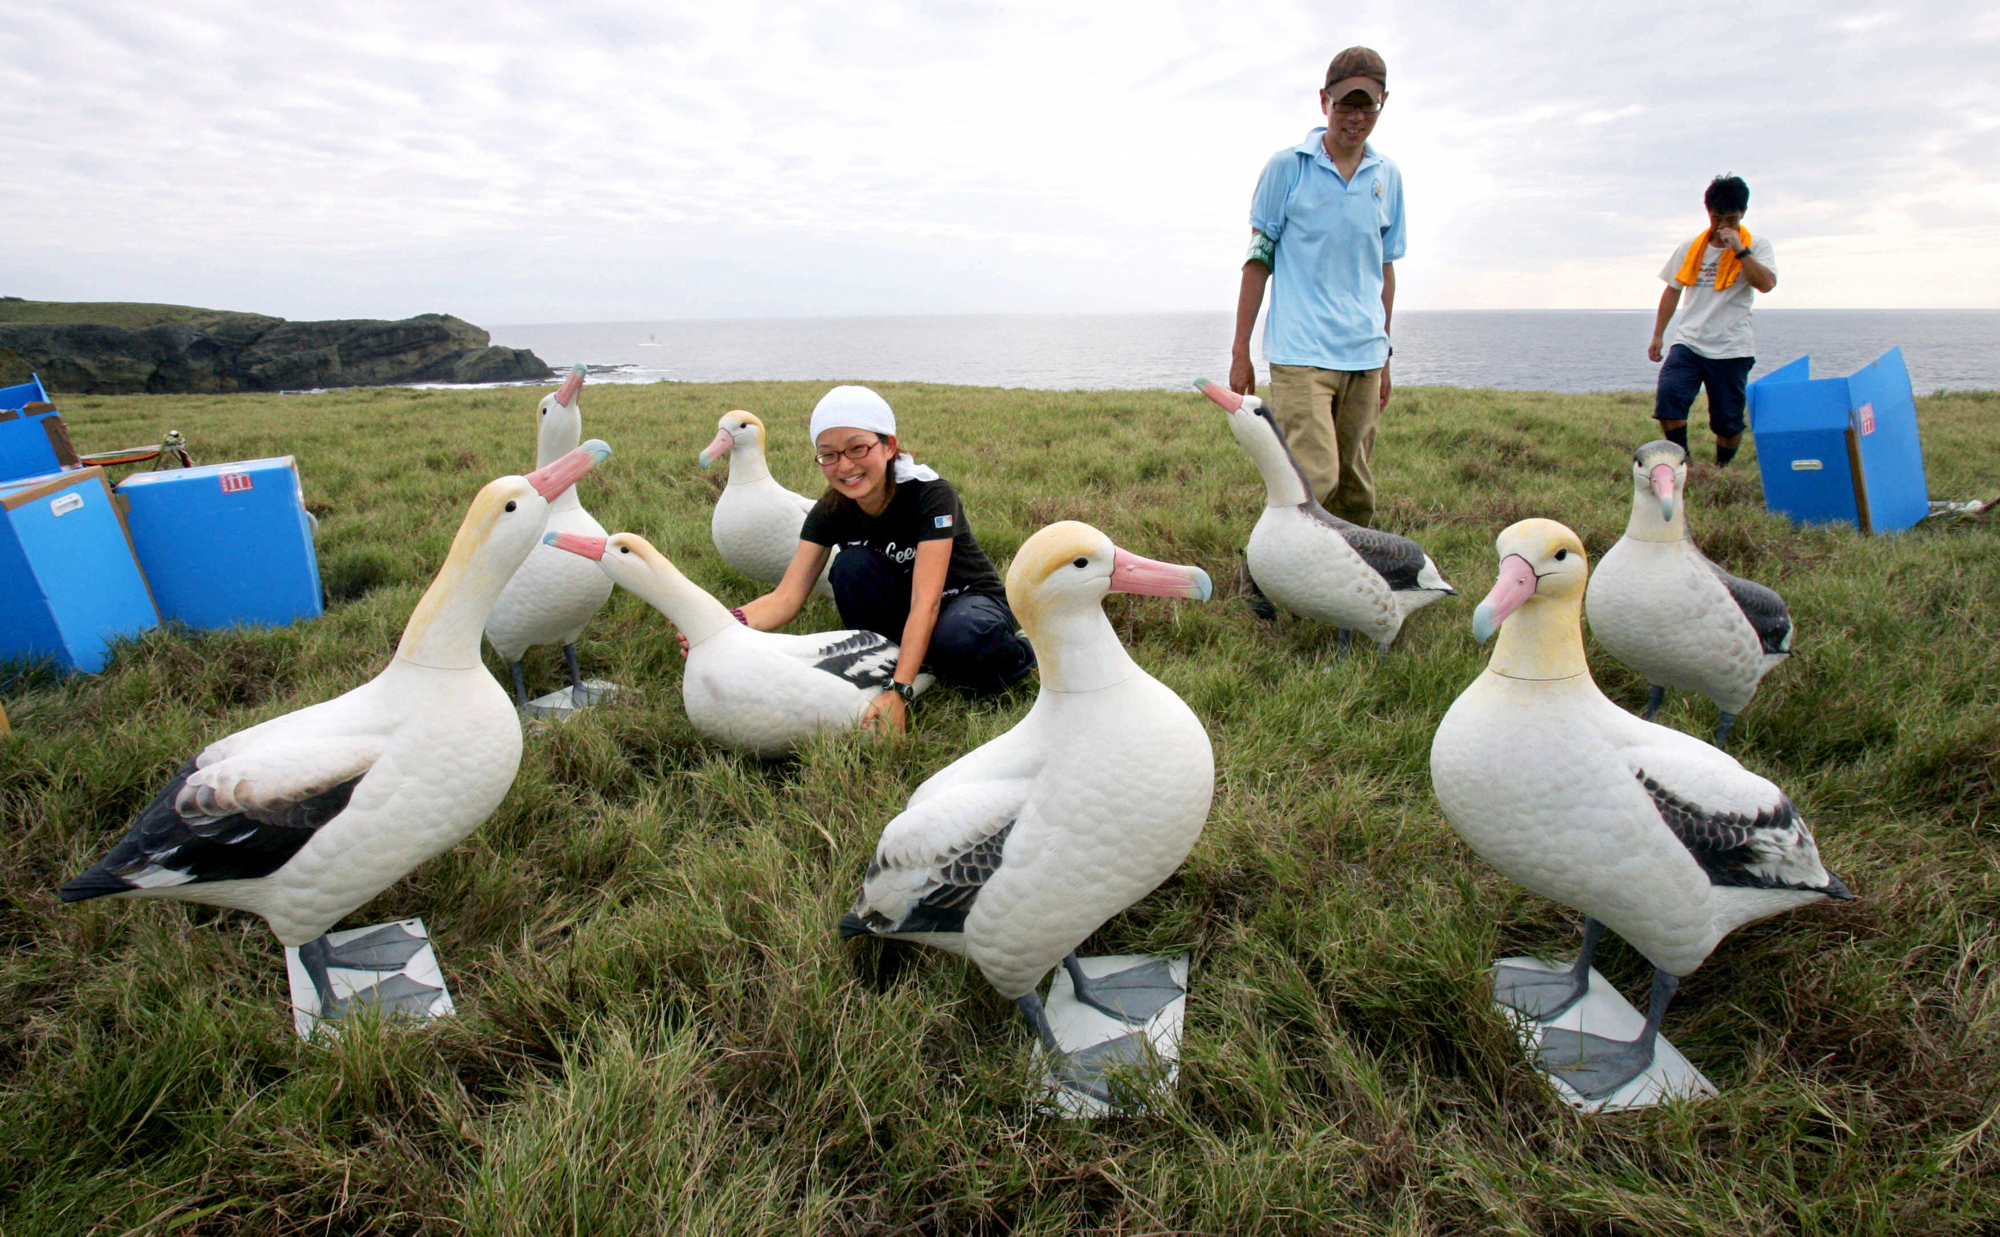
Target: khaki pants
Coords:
[[1329, 418]]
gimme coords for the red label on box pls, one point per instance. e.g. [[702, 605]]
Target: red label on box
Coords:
[[1864, 416], [237, 482]]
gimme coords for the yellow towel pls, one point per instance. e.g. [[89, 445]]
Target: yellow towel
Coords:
[[1726, 270]]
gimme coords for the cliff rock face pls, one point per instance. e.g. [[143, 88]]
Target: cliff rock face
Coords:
[[250, 352]]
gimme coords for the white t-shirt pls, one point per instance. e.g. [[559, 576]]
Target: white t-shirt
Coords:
[[1716, 324]]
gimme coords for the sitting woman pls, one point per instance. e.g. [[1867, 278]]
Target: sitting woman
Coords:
[[908, 566]]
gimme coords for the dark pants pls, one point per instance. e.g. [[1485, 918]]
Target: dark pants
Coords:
[[973, 646], [1686, 372]]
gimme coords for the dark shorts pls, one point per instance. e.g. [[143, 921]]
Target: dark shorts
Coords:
[[973, 647], [1686, 372]]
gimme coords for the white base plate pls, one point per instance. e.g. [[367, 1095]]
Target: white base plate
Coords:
[[422, 968], [1604, 1012], [1078, 1026], [559, 705]]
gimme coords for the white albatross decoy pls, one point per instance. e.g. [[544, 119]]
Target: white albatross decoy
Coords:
[[1652, 833], [761, 692], [303, 818], [1660, 606], [756, 522], [1310, 561], [1017, 851], [552, 596]]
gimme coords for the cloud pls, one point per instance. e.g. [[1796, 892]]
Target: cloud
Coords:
[[533, 162]]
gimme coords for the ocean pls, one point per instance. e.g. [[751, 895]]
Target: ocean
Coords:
[[1523, 350]]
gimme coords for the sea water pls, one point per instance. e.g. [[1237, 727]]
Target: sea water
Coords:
[[1523, 350]]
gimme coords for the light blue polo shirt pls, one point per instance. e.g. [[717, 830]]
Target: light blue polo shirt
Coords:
[[1332, 238]]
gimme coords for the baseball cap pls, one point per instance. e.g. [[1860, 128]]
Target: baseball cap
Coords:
[[1358, 68]]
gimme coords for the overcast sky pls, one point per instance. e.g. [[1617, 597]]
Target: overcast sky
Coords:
[[546, 162]]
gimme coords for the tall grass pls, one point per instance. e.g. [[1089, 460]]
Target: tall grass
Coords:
[[659, 1032]]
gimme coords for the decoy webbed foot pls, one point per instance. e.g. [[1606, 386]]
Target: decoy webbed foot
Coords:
[[387, 948], [1544, 995], [1596, 1068], [1132, 995]]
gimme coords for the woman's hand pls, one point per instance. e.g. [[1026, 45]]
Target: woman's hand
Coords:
[[684, 642], [886, 714]]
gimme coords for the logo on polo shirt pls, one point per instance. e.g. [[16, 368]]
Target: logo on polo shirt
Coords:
[[1378, 190], [943, 521]]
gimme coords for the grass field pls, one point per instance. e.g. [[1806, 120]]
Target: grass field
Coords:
[[658, 1031]]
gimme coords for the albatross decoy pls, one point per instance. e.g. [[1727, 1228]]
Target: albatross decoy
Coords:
[[1017, 851], [1651, 833], [303, 818], [1660, 606]]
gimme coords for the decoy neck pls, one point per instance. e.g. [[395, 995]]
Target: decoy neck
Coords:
[[634, 565], [1056, 587], [559, 428], [503, 525], [1537, 604], [1659, 493]]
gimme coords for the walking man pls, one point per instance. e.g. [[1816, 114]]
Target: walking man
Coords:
[[1713, 346], [1327, 222]]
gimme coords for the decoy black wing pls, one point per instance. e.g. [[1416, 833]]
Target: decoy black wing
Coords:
[[863, 658], [192, 832], [1398, 560], [1766, 611], [1772, 849]]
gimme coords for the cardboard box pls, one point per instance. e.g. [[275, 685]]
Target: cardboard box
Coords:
[[1841, 448], [226, 544], [69, 581], [33, 439]]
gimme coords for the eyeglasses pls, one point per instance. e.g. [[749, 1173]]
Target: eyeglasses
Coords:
[[1366, 109], [827, 459]]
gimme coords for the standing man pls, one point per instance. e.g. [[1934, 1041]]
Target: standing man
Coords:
[[1327, 221], [1713, 346]]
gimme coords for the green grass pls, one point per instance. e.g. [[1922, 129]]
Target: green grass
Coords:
[[131, 315], [658, 1031]]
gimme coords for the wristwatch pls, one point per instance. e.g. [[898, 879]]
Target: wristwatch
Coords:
[[908, 691], [1743, 253]]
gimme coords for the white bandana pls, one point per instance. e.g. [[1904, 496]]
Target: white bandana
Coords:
[[862, 409]]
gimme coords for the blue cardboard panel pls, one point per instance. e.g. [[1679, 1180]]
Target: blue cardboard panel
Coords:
[[67, 571], [26, 449], [226, 544], [29, 392], [1892, 452]]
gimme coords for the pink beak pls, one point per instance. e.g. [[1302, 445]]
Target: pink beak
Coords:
[[551, 481], [566, 393], [1663, 485], [1229, 400], [577, 543], [717, 448], [1515, 585], [1152, 578]]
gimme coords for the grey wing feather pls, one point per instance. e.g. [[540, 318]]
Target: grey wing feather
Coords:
[[1398, 560], [1763, 607], [863, 658], [953, 887], [1757, 852]]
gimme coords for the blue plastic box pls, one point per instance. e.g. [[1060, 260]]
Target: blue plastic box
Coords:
[[69, 582], [33, 440], [226, 544], [1841, 448]]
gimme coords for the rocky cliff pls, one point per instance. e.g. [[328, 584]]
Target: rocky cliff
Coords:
[[121, 349]]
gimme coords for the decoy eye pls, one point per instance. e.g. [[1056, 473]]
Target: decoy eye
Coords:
[[1080, 563], [624, 549], [510, 504], [1561, 555]]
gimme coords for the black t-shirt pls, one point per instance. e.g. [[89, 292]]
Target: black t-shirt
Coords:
[[918, 511]]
